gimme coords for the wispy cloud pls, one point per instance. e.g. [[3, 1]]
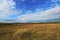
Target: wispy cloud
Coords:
[[53, 13], [7, 7]]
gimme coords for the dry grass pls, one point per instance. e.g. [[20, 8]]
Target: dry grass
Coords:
[[30, 32]]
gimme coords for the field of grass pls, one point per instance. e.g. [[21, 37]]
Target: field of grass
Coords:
[[30, 31]]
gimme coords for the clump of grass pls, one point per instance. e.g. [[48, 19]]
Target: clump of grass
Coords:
[[39, 34]]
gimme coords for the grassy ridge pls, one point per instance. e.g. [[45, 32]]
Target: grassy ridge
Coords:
[[30, 32]]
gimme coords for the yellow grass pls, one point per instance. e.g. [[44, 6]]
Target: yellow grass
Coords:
[[30, 32]]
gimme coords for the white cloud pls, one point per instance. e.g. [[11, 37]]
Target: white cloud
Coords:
[[55, 2], [6, 8], [53, 13]]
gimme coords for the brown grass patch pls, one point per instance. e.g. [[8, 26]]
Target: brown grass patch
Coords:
[[31, 32]]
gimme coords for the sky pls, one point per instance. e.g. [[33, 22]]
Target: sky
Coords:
[[29, 10]]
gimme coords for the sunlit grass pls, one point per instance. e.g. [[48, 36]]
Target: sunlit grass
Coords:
[[31, 32]]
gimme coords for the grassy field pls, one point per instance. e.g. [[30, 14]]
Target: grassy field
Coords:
[[30, 31]]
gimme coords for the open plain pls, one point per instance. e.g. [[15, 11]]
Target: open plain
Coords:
[[31, 31]]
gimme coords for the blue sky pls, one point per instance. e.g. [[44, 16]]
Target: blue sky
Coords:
[[29, 10]]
